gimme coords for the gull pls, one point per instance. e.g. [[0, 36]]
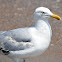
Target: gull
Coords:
[[22, 43]]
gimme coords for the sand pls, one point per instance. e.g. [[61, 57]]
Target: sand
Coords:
[[19, 13]]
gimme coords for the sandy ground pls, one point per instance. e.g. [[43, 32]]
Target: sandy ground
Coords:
[[19, 13]]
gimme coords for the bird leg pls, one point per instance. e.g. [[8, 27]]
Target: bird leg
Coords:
[[24, 60], [16, 60]]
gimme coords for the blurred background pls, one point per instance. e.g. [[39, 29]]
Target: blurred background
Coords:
[[19, 13]]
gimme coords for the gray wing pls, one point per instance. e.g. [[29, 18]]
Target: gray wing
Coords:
[[1, 32], [17, 39], [21, 34]]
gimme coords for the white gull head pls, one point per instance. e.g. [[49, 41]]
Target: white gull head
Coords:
[[44, 13]]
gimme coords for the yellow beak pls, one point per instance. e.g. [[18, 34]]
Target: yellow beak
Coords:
[[56, 16]]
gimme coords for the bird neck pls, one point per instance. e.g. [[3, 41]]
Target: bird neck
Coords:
[[42, 25]]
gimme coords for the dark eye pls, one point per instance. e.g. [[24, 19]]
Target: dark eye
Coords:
[[43, 12]]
